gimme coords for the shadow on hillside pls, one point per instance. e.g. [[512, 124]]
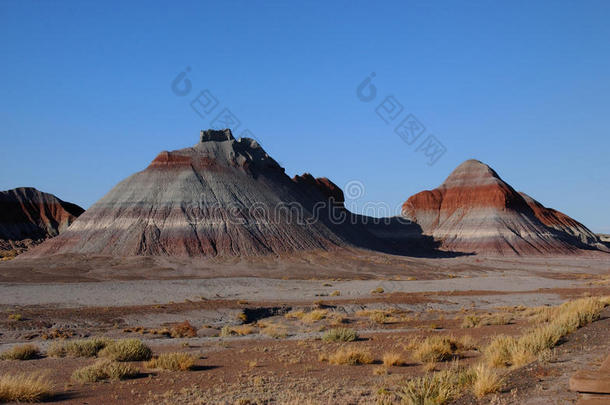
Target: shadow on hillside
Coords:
[[399, 236]]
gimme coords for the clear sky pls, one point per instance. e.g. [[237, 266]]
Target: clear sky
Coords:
[[523, 86]]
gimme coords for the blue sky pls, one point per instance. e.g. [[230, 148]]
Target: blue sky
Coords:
[[520, 85]]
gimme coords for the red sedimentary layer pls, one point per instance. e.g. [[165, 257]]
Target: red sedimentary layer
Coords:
[[29, 216], [221, 197], [475, 211]]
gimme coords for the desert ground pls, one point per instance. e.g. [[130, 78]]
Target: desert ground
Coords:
[[301, 331]]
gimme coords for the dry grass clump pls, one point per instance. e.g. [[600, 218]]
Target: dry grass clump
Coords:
[[471, 321], [15, 317], [497, 319], [349, 355], [436, 348], [274, 331], [436, 388], [340, 335], [335, 293], [23, 352], [393, 359], [240, 330], [315, 315], [104, 369], [183, 329], [25, 387], [486, 380], [77, 348], [172, 361], [295, 314], [376, 315], [564, 319], [378, 290], [126, 350], [474, 321]]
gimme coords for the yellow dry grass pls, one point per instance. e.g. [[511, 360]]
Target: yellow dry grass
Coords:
[[22, 352], [178, 361], [104, 369], [393, 359], [350, 355], [557, 322], [25, 387]]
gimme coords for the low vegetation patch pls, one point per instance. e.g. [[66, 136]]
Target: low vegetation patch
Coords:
[[104, 369], [315, 315], [274, 331], [77, 348], [350, 355], [172, 361], [340, 335], [183, 329], [474, 321], [436, 348], [25, 387], [377, 315], [15, 317], [240, 330], [471, 321], [378, 290], [561, 321], [22, 352], [486, 380], [436, 388], [393, 359], [126, 350]]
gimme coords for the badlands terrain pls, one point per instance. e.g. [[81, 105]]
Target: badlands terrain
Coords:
[[212, 277]]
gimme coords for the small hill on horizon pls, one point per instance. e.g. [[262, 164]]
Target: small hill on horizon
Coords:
[[29, 217], [475, 211]]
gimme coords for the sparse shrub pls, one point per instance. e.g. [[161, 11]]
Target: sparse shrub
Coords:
[[563, 320], [340, 335], [172, 361], [392, 359], [497, 319], [295, 314], [315, 315], [335, 293], [104, 369], [471, 321], [126, 350], [25, 387], [23, 352], [486, 381], [241, 330], [274, 331], [77, 348], [436, 388], [378, 290], [351, 356], [183, 329], [499, 352], [436, 348], [376, 315], [466, 342], [15, 317]]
